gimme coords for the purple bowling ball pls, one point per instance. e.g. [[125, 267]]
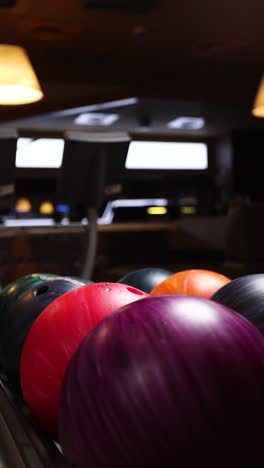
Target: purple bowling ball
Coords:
[[168, 381]]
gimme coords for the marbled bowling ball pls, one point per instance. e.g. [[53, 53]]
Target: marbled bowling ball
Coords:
[[17, 319]]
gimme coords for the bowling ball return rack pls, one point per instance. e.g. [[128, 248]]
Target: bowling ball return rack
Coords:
[[23, 444]]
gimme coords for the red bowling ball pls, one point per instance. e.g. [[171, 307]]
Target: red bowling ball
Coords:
[[55, 336]]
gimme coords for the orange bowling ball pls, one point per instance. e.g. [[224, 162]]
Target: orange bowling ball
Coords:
[[202, 283]]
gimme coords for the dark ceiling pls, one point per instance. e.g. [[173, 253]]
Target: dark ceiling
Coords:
[[205, 51]]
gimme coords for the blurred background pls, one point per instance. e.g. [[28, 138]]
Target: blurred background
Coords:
[[143, 146]]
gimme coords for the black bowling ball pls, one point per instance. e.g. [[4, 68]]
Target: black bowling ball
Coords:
[[17, 320], [145, 279], [245, 295], [75, 278]]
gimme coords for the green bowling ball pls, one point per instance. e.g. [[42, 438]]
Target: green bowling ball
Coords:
[[14, 290], [145, 278]]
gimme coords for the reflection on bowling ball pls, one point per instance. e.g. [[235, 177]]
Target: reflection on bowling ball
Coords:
[[164, 382], [56, 335], [17, 319], [13, 290], [145, 278], [246, 296], [83, 280], [200, 283]]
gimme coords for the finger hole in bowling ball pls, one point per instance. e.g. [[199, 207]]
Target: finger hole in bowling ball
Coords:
[[41, 290], [135, 291]]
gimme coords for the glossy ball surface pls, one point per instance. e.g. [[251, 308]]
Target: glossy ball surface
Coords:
[[55, 336], [200, 283]]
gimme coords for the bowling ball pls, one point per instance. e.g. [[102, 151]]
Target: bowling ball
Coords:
[[55, 336], [83, 280], [169, 381], [145, 278], [202, 283], [18, 318], [246, 296], [13, 290]]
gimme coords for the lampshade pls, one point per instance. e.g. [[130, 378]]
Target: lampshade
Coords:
[[18, 81], [258, 106]]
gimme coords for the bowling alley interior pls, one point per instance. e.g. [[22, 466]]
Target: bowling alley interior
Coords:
[[131, 179]]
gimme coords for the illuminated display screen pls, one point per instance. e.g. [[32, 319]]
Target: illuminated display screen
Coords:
[[39, 153], [167, 155]]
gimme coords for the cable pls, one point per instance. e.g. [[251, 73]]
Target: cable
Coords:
[[90, 254]]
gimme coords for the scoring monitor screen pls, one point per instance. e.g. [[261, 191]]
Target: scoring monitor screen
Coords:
[[167, 155], [39, 153]]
